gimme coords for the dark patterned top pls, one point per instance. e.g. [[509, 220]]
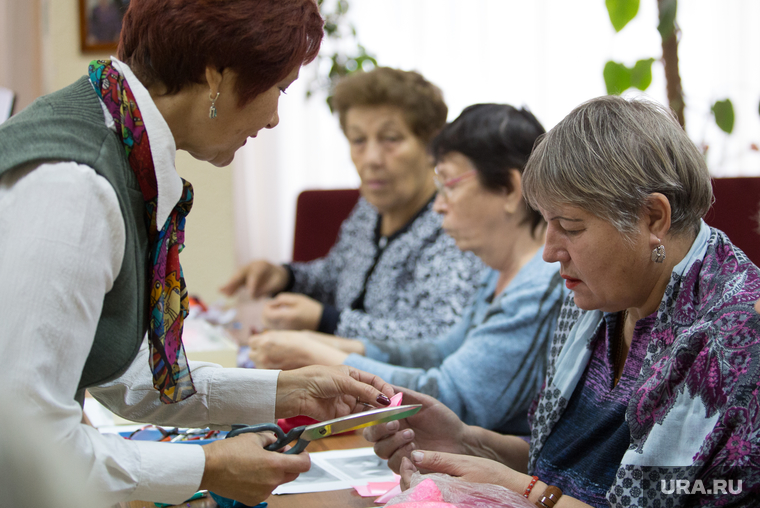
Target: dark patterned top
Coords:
[[584, 450], [419, 281], [693, 412]]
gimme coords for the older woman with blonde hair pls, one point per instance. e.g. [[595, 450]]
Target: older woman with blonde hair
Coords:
[[393, 273], [651, 393]]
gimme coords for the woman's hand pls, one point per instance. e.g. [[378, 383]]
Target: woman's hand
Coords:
[[260, 278], [239, 468], [324, 393], [345, 345], [471, 469], [292, 311], [434, 427], [288, 350]]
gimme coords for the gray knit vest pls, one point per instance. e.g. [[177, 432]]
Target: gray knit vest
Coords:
[[68, 125]]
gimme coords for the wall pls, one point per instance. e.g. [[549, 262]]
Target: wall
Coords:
[[40, 53], [20, 49], [546, 54]]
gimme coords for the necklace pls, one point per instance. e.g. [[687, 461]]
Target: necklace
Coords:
[[619, 339]]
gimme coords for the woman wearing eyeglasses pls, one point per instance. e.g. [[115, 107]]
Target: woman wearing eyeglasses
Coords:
[[393, 273], [488, 368]]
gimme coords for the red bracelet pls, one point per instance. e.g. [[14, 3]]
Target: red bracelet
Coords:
[[530, 487]]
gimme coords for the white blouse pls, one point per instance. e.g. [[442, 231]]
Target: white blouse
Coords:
[[62, 242]]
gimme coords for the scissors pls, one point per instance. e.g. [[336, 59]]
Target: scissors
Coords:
[[308, 433]]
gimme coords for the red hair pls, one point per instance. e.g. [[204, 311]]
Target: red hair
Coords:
[[171, 42]]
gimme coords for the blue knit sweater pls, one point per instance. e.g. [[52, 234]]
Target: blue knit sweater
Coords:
[[490, 365]]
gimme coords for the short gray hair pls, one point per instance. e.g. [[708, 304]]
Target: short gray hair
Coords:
[[609, 154]]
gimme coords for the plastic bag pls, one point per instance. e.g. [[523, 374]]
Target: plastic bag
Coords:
[[437, 490]]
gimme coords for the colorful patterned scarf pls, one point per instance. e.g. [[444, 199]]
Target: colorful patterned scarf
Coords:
[[168, 294]]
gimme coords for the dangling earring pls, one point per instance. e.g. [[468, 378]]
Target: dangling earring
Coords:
[[212, 111], [658, 254]]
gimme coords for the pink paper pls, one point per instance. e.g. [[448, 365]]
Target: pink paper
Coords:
[[395, 491], [375, 488], [426, 490], [425, 504], [364, 490], [396, 399]]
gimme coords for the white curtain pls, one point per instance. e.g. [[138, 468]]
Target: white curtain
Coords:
[[544, 54]]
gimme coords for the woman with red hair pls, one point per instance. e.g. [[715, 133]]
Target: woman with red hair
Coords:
[[92, 216]]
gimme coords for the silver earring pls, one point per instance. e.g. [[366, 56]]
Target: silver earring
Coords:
[[212, 111], [658, 254]]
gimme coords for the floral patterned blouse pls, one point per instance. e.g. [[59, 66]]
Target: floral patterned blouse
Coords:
[[694, 410], [412, 285]]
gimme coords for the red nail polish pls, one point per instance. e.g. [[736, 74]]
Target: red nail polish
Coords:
[[382, 399]]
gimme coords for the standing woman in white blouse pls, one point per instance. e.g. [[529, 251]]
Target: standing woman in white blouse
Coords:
[[92, 217]]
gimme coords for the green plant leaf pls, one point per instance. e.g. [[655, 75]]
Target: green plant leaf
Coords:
[[724, 115], [621, 12], [331, 29], [641, 74], [667, 16], [617, 78]]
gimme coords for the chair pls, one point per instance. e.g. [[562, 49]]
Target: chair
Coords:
[[319, 214], [735, 212]]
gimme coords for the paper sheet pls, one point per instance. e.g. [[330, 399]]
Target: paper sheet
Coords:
[[339, 469]]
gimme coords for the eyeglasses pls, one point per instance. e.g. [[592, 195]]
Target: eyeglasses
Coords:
[[444, 188]]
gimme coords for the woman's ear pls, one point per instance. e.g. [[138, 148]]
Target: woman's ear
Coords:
[[214, 78], [657, 217], [513, 199]]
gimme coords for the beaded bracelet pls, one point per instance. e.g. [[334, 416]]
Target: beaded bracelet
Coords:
[[530, 487], [550, 497]]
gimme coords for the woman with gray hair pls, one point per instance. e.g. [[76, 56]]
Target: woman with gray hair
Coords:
[[651, 393]]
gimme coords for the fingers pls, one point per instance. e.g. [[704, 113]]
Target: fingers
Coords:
[[286, 300], [285, 350], [405, 471], [372, 386], [281, 313], [251, 276], [301, 464], [258, 352], [237, 280], [241, 469], [255, 280], [412, 397], [277, 317], [290, 464], [260, 278], [438, 462], [291, 311], [386, 430], [363, 392], [393, 441], [265, 438]]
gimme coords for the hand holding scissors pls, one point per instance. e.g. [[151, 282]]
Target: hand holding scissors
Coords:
[[308, 433]]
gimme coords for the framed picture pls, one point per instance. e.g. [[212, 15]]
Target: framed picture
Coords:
[[100, 24]]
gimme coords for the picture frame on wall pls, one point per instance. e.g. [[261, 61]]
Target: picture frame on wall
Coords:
[[100, 24]]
